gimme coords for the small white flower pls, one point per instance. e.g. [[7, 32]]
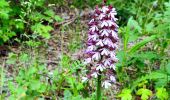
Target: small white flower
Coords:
[[113, 45], [112, 78], [91, 48], [104, 32], [87, 61], [101, 16], [106, 84], [115, 59], [112, 66], [96, 56], [115, 25], [94, 37], [112, 54], [113, 10], [112, 14], [51, 73], [104, 23], [114, 19], [100, 67], [105, 52], [105, 9], [100, 43], [94, 75], [93, 28], [114, 34], [91, 21], [107, 41], [84, 79], [107, 62], [110, 23]]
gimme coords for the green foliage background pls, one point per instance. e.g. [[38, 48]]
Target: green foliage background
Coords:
[[143, 70]]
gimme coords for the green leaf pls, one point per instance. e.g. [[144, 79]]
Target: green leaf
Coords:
[[23, 57], [125, 94], [49, 13], [32, 43], [42, 30], [133, 25], [35, 85], [146, 55], [149, 27], [36, 16], [31, 71], [42, 88], [162, 94], [67, 95], [11, 58], [4, 9], [142, 43], [3, 3], [80, 86], [168, 68], [58, 18], [20, 91], [161, 82], [144, 93], [151, 76]]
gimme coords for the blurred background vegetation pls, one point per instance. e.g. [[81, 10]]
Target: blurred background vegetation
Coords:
[[42, 44]]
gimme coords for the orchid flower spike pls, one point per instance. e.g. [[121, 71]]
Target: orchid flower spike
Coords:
[[101, 45]]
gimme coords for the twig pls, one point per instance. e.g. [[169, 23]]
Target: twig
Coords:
[[67, 22]]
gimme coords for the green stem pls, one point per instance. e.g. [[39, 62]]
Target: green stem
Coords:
[[99, 97]]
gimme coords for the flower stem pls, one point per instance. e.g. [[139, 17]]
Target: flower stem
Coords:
[[99, 97]]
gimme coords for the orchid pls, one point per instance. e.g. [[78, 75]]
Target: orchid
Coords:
[[102, 43]]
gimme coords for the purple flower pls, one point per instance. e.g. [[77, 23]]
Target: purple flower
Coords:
[[102, 43]]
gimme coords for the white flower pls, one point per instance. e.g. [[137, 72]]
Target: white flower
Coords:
[[96, 56], [114, 19], [100, 43], [114, 59], [113, 45], [93, 28], [113, 10], [104, 23], [87, 61], [112, 14], [91, 21], [112, 78], [110, 23], [101, 16], [106, 84], [112, 54], [100, 67], [104, 32], [91, 48], [51, 73], [94, 75], [112, 66], [105, 9], [115, 25], [105, 52], [84, 79], [114, 34], [107, 62], [94, 37], [116, 46], [107, 41]]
